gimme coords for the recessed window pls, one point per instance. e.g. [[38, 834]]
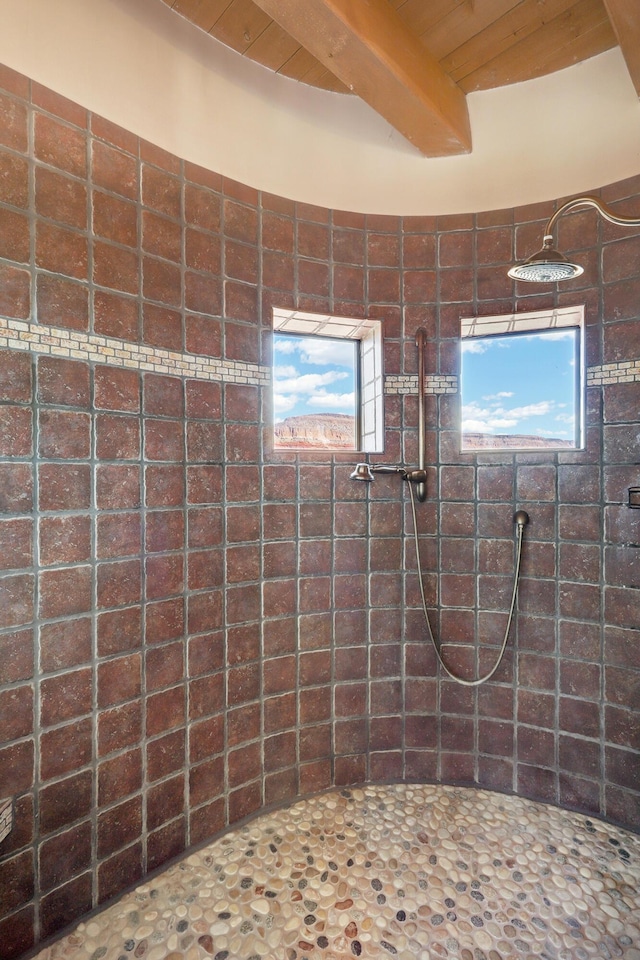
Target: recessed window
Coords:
[[522, 381], [327, 383]]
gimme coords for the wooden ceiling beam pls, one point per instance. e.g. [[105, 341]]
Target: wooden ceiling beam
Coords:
[[625, 20], [371, 50], [580, 31], [204, 13]]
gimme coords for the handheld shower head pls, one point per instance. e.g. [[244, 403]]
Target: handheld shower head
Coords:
[[365, 471], [361, 471]]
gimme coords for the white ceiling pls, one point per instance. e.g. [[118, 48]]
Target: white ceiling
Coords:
[[159, 76]]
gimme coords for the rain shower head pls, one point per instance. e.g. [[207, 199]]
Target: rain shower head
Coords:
[[546, 266], [549, 265]]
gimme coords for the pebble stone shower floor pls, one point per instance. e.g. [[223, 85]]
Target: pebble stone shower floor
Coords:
[[402, 871]]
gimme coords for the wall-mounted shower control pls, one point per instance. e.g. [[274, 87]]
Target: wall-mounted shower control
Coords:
[[6, 818], [634, 497]]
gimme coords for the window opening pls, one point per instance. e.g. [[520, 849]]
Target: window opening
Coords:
[[522, 381], [327, 383]]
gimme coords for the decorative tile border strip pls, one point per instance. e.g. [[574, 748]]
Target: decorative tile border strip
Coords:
[[626, 371], [75, 345], [400, 384]]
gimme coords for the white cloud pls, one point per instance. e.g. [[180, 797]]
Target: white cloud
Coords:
[[503, 423], [471, 425], [476, 426], [318, 351], [333, 401], [321, 351], [477, 419], [284, 345], [291, 389], [308, 383], [282, 403], [298, 392], [540, 409], [286, 370], [498, 396], [473, 345]]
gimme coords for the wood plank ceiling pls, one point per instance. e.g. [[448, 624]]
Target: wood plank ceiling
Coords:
[[414, 61]]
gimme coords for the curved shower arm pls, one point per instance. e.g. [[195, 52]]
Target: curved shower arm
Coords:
[[587, 201]]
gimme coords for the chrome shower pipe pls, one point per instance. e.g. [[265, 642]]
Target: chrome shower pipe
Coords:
[[419, 476]]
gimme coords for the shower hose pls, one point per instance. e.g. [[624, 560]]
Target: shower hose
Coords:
[[521, 519]]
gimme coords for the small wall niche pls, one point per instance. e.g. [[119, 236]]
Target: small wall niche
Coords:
[[522, 381]]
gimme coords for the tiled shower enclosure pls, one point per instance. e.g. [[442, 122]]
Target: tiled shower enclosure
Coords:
[[194, 628]]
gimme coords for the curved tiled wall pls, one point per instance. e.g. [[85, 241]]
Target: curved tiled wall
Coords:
[[193, 628]]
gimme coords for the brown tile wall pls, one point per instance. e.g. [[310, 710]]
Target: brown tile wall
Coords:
[[193, 629]]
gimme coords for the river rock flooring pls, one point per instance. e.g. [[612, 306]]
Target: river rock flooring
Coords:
[[401, 871]]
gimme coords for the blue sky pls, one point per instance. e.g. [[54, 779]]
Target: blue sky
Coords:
[[520, 384], [313, 375], [514, 384]]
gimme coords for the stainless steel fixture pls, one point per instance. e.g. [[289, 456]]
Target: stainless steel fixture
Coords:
[[521, 519], [418, 477], [418, 491], [549, 265], [365, 471]]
